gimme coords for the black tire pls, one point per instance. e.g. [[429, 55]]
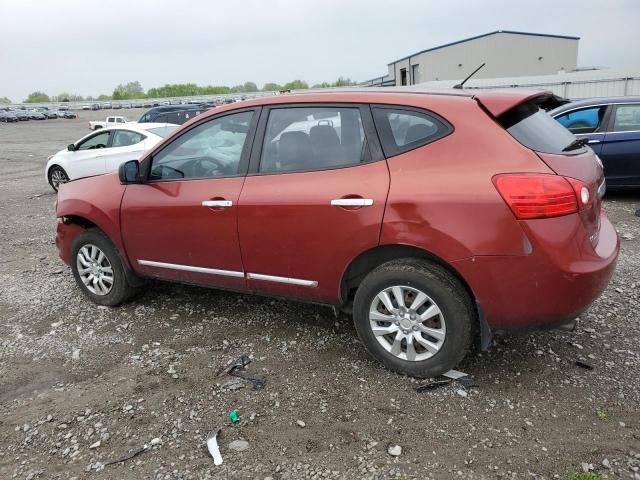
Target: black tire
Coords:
[[121, 290], [443, 288], [52, 181]]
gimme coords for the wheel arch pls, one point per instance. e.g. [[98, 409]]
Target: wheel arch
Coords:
[[366, 261]]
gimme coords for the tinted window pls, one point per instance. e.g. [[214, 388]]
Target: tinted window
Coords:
[[627, 118], [212, 149], [403, 130], [312, 138], [124, 138], [100, 140], [587, 120], [535, 129]]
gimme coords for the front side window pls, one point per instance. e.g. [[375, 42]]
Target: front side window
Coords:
[[312, 138], [627, 118], [587, 120], [124, 138], [212, 149], [100, 140], [403, 130]]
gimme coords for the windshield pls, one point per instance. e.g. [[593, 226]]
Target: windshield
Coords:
[[535, 129], [162, 131]]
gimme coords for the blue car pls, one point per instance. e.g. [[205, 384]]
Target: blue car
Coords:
[[612, 127]]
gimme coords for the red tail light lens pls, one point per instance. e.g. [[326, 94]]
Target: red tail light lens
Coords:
[[541, 196]]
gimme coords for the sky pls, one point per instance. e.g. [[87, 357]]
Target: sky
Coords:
[[87, 48]]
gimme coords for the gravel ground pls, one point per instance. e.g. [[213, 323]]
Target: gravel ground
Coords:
[[82, 385]]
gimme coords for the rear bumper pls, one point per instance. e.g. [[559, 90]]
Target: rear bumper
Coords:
[[558, 281]]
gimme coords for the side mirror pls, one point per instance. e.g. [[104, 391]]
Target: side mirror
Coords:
[[129, 172], [71, 147]]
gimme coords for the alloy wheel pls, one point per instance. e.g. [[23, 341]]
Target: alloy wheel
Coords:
[[58, 177], [94, 269], [407, 323]]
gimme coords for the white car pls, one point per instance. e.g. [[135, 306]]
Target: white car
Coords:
[[103, 151]]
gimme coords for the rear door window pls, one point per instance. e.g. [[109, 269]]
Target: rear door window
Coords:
[[402, 130], [586, 120], [626, 118], [535, 129], [124, 138], [313, 138]]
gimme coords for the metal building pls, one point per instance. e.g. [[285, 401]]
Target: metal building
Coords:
[[506, 54], [610, 82]]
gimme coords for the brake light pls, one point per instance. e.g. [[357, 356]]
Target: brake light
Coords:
[[542, 196]]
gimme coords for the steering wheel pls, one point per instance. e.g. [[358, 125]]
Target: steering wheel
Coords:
[[208, 166]]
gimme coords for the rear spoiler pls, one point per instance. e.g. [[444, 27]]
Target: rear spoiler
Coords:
[[498, 102]]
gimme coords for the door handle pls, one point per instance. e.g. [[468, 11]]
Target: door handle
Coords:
[[351, 202], [593, 141], [217, 203]]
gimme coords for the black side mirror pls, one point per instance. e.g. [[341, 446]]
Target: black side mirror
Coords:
[[129, 172], [71, 147]]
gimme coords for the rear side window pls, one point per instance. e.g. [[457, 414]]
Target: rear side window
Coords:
[[535, 129], [124, 138], [313, 138], [627, 118], [403, 130]]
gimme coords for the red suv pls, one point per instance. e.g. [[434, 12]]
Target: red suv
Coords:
[[436, 217]]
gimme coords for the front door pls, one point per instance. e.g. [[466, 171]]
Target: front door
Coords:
[[589, 123], [88, 157], [313, 201], [181, 224]]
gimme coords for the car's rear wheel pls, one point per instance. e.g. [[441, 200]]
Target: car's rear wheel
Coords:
[[99, 270], [57, 176], [414, 317]]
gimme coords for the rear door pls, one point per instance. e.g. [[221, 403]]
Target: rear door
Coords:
[[314, 198], [621, 147], [125, 145]]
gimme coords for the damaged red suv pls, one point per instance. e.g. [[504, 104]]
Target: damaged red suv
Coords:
[[435, 217]]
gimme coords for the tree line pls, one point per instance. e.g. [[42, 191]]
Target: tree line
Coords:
[[134, 90]]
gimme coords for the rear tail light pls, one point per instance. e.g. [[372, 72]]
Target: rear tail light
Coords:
[[543, 196]]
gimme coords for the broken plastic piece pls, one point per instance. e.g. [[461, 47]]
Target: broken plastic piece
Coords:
[[129, 456], [212, 445], [234, 416], [454, 374], [585, 365], [433, 385], [242, 362]]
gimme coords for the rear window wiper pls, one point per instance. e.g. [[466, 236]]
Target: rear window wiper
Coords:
[[576, 144]]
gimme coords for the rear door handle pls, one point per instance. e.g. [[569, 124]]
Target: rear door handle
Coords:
[[217, 203], [351, 202]]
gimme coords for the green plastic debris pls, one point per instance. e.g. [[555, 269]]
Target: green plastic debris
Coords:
[[234, 416]]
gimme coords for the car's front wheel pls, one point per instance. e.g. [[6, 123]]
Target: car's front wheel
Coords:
[[98, 269], [57, 176], [414, 317]]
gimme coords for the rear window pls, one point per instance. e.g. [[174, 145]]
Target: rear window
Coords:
[[535, 129]]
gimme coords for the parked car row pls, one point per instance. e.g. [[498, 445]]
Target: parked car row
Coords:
[[35, 114]]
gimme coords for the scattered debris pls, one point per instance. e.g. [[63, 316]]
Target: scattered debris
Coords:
[[301, 424], [234, 416], [449, 377], [241, 362], [238, 445], [212, 445], [129, 456], [394, 450], [156, 441], [462, 393], [585, 365], [95, 445], [75, 355]]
